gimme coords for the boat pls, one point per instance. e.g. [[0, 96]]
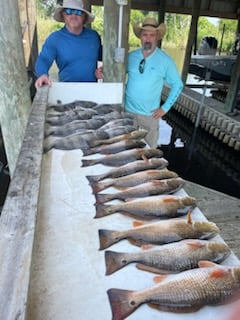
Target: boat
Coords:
[[207, 65], [219, 67]]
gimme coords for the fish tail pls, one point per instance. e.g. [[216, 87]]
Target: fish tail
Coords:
[[94, 179], [97, 187], [86, 151], [103, 210], [106, 238], [122, 304], [103, 197], [114, 261], [48, 145], [94, 143], [88, 162]]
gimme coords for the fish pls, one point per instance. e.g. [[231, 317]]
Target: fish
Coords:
[[75, 141], [149, 188], [74, 115], [121, 121], [130, 168], [116, 147], [116, 131], [105, 108], [163, 206], [133, 179], [136, 134], [72, 105], [169, 258], [72, 127], [188, 291], [123, 157], [161, 232]]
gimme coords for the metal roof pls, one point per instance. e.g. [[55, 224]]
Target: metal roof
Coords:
[[229, 9]]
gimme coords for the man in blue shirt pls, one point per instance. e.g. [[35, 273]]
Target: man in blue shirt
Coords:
[[148, 69], [75, 48]]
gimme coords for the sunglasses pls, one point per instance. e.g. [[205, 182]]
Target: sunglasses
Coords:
[[141, 65], [69, 11]]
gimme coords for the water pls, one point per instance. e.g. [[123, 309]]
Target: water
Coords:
[[197, 156]]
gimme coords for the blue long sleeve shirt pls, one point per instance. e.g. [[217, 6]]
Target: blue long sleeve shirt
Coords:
[[76, 56], [143, 90]]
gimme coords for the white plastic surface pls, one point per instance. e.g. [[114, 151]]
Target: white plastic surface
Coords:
[[68, 272]]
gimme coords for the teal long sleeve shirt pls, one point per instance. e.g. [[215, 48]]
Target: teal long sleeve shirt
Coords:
[[144, 90]]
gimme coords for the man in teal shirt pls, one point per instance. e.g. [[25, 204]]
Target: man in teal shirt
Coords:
[[149, 68]]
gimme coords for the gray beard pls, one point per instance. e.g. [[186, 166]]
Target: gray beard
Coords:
[[147, 46]]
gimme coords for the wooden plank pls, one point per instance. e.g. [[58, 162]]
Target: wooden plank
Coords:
[[18, 219]]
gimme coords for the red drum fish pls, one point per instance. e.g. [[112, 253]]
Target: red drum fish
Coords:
[[187, 291], [133, 179], [136, 134], [129, 168], [169, 258], [123, 157], [162, 232], [116, 147], [163, 206], [153, 187]]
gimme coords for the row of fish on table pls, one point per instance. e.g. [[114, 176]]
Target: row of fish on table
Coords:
[[180, 250]]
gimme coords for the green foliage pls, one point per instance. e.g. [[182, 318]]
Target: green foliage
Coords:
[[178, 26]]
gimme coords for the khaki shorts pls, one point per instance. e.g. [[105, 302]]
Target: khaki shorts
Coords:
[[151, 125]]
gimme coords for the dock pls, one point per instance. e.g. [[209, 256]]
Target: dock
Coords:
[[211, 114], [220, 208]]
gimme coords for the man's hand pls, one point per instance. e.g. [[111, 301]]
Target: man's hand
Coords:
[[158, 113], [44, 79]]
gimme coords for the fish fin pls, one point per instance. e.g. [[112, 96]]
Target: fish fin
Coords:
[[160, 278], [189, 217], [134, 242], [174, 309], [145, 159], [169, 199], [138, 223], [122, 303], [102, 210], [147, 246], [219, 273], [93, 179], [106, 238], [195, 244], [88, 162], [114, 261], [207, 264], [144, 267], [103, 197]]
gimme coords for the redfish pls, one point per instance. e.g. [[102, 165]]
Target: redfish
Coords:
[[187, 291], [153, 187], [169, 258], [133, 179], [116, 147], [167, 206], [162, 232], [136, 134], [130, 168], [123, 157]]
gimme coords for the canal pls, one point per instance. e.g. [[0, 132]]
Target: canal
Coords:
[[199, 157]]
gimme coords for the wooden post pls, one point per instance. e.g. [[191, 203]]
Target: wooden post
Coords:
[[114, 71], [191, 37], [234, 86], [161, 16], [14, 89]]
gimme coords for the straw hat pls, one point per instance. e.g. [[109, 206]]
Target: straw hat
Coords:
[[72, 4], [149, 24]]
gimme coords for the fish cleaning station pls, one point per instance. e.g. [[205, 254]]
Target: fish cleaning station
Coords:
[[84, 232]]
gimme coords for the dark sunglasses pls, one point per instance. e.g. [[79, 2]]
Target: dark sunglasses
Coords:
[[69, 11], [141, 65]]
